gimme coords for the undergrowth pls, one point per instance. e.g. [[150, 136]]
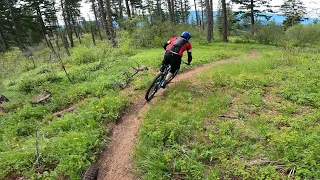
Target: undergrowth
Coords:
[[37, 144], [254, 119]]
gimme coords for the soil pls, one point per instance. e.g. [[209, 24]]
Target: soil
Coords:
[[115, 162]]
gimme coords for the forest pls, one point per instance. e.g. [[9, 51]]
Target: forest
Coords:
[[72, 90]]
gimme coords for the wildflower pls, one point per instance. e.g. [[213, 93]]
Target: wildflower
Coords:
[[75, 138]]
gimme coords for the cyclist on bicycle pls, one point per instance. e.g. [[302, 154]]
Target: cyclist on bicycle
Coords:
[[174, 52]]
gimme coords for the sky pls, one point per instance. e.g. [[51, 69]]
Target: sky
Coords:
[[311, 5]]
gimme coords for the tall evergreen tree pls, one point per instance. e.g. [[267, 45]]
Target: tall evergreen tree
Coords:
[[112, 35], [128, 8], [16, 27], [93, 6], [254, 7], [294, 10], [5, 27], [171, 9]]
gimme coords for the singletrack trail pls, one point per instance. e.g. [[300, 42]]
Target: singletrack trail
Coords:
[[115, 162]]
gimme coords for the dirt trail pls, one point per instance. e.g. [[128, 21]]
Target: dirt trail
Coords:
[[115, 163]]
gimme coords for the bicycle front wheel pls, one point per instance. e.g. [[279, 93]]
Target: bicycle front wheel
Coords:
[[154, 87]]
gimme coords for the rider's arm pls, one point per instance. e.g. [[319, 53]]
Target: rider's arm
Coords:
[[165, 45], [189, 56], [189, 53]]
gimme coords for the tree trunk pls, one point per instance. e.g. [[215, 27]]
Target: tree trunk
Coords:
[[132, 7], [92, 35], [128, 8], [173, 11], [76, 29], [42, 25], [211, 17], [170, 10], [252, 16], [120, 9], [3, 42], [66, 17], [110, 25], [16, 28], [65, 43], [150, 10], [114, 7], [96, 19], [202, 15], [186, 11], [224, 21], [181, 10], [159, 10], [197, 15], [209, 20], [104, 17], [56, 38]]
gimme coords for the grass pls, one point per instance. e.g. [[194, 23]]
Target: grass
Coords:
[[68, 145], [254, 119]]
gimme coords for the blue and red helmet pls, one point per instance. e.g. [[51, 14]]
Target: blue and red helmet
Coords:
[[186, 35]]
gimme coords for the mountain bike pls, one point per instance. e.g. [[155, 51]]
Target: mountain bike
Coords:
[[155, 85]]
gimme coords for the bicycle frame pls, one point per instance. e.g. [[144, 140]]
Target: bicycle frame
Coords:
[[155, 85]]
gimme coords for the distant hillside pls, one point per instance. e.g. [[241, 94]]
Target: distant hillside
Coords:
[[277, 18]]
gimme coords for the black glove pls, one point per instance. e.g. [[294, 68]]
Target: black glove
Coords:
[[165, 46]]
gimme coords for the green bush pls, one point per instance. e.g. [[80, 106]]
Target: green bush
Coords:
[[303, 35], [269, 34], [83, 55], [29, 84]]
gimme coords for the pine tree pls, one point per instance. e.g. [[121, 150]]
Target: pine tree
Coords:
[[252, 6], [17, 29], [93, 6], [112, 34], [294, 10]]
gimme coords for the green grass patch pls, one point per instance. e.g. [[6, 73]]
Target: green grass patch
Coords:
[[68, 145], [236, 121]]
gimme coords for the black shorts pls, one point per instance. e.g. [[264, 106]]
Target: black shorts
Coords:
[[173, 59]]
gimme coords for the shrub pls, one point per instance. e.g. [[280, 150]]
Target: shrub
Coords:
[[269, 34], [32, 83], [83, 55], [303, 35]]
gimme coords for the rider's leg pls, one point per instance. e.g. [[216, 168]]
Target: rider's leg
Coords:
[[165, 62], [175, 62], [169, 75]]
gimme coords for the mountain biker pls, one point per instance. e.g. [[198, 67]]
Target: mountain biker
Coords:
[[174, 52]]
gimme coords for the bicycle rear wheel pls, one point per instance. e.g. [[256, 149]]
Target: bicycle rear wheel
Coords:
[[154, 87]]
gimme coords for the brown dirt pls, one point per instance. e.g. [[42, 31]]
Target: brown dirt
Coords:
[[115, 162]]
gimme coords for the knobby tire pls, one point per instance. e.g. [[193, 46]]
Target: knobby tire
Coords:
[[91, 173], [152, 89]]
